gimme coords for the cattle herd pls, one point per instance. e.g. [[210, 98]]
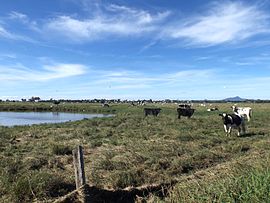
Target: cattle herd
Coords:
[[234, 120], [183, 110]]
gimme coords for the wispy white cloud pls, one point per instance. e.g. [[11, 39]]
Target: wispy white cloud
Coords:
[[5, 24], [7, 56], [136, 84], [184, 84], [260, 59], [24, 19], [244, 63], [190, 74], [5, 34], [203, 58], [19, 73], [142, 80], [224, 22], [18, 16], [114, 20]]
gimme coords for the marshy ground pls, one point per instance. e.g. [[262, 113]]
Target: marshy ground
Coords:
[[130, 150]]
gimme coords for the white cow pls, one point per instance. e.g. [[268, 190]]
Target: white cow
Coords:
[[243, 111]]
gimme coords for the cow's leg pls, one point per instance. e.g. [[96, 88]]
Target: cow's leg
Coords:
[[229, 130], [248, 117], [179, 116], [239, 131], [226, 130], [243, 126]]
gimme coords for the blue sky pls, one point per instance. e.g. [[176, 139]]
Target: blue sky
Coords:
[[85, 49]]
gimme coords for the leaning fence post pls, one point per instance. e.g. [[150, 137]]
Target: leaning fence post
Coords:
[[79, 166]]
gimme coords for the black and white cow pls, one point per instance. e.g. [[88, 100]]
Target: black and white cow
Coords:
[[151, 111], [188, 112], [233, 121]]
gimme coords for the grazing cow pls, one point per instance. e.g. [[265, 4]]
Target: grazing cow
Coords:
[[243, 111], [151, 111], [233, 121], [105, 105], [213, 109], [188, 112]]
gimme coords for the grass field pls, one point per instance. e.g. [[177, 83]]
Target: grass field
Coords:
[[132, 150]]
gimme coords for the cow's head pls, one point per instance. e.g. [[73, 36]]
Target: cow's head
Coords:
[[234, 108], [227, 118], [223, 115]]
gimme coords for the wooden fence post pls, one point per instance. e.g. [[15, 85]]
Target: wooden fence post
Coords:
[[79, 166]]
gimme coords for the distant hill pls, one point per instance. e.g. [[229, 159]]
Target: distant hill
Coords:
[[234, 99]]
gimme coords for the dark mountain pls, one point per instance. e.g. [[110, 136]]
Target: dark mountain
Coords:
[[234, 99]]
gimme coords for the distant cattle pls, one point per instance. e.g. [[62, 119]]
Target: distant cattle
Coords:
[[105, 105], [151, 111], [243, 111], [185, 106], [56, 102], [188, 112], [213, 109], [233, 121]]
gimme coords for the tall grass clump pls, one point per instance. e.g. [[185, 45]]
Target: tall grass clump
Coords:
[[61, 150], [250, 187], [39, 185]]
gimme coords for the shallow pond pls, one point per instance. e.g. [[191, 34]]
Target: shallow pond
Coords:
[[29, 118]]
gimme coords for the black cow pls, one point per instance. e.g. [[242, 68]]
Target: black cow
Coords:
[[233, 121], [188, 112], [56, 102], [151, 111]]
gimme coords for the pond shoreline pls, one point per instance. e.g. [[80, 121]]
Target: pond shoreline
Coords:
[[10, 119], [49, 107]]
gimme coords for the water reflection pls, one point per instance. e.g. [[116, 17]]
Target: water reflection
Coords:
[[29, 118]]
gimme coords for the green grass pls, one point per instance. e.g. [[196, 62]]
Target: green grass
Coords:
[[131, 150], [246, 184]]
